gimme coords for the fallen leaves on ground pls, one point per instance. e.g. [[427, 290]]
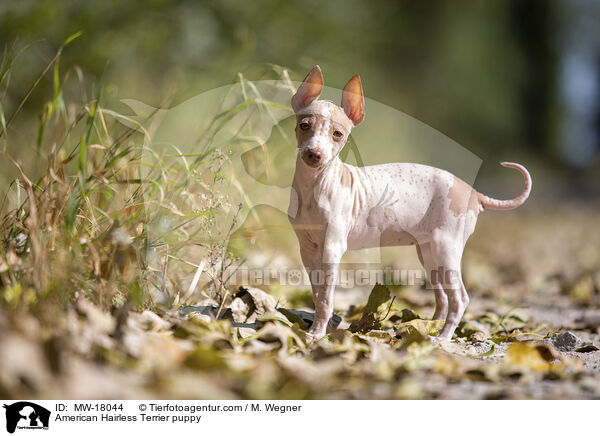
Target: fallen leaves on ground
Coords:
[[258, 350], [532, 330]]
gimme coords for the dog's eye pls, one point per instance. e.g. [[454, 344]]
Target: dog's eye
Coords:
[[338, 134], [304, 126]]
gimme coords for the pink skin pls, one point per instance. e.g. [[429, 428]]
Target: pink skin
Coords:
[[336, 207]]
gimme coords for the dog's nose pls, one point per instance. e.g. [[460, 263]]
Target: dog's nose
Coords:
[[314, 156]]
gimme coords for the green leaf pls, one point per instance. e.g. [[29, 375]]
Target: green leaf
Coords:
[[370, 320], [72, 208], [379, 296], [205, 358], [85, 137], [488, 353], [267, 318]]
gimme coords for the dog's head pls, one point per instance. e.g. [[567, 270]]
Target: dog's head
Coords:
[[322, 127]]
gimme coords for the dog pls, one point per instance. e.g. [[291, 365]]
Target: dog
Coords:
[[335, 207]]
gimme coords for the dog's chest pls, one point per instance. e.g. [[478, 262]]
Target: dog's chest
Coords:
[[309, 209]]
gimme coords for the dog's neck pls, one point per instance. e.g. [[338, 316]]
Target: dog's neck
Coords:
[[308, 178]]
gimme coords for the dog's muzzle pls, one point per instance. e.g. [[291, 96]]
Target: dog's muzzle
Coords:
[[312, 158]]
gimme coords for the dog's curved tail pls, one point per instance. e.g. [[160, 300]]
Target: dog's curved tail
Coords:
[[495, 204]]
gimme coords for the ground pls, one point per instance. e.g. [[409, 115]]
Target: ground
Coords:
[[531, 331]]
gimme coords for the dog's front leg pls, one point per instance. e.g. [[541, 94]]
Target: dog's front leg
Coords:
[[334, 247]]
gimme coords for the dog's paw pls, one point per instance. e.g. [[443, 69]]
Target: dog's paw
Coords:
[[309, 339], [313, 336]]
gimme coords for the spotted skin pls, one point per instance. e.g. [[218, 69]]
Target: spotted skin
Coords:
[[335, 207]]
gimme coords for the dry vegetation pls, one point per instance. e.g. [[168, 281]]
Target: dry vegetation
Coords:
[[85, 311]]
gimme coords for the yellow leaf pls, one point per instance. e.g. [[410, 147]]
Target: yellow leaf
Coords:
[[418, 330], [524, 356]]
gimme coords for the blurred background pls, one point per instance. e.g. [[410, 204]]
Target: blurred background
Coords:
[[514, 80], [508, 80]]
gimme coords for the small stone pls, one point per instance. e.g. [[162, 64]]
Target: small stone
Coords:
[[566, 341]]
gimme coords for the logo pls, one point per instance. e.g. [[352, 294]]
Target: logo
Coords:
[[26, 415]]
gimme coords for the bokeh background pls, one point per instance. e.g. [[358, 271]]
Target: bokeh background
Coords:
[[515, 80], [505, 79]]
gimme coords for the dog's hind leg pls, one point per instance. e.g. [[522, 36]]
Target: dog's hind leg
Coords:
[[428, 261], [458, 300], [448, 254]]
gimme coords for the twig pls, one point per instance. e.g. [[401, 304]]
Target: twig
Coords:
[[389, 308]]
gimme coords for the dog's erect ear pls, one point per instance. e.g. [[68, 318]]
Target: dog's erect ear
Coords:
[[310, 89], [353, 101]]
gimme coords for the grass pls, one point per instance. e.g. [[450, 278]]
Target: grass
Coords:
[[107, 214]]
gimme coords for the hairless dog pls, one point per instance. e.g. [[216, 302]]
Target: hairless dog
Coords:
[[335, 207]]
